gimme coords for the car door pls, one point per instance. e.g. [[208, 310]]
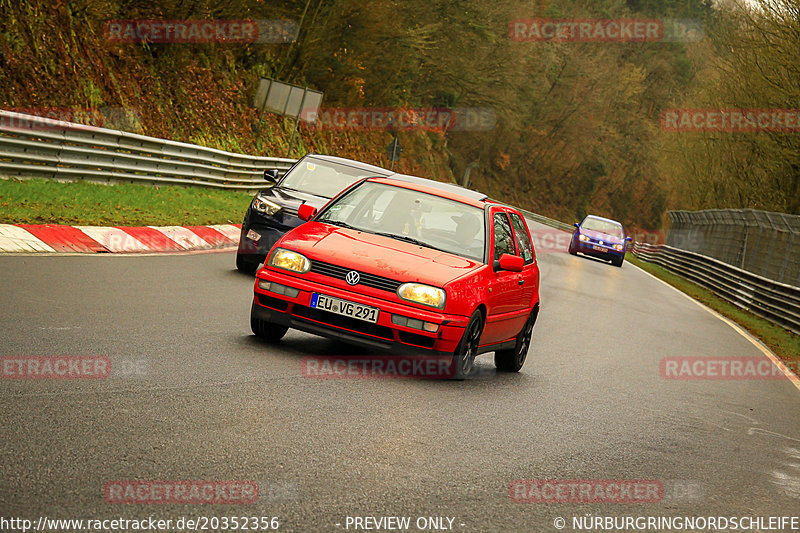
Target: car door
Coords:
[[504, 299], [530, 277]]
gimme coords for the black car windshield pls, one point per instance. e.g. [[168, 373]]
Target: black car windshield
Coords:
[[412, 216], [324, 178], [603, 226]]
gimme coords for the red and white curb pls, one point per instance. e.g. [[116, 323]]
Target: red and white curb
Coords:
[[121, 239]]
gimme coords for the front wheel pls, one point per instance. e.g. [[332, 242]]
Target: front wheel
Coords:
[[618, 261], [267, 330], [243, 265], [513, 359], [464, 356], [572, 250]]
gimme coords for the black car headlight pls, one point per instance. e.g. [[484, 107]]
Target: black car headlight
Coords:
[[262, 205]]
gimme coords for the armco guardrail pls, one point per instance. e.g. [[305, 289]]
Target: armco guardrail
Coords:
[[35, 147], [773, 301], [547, 221], [769, 299]]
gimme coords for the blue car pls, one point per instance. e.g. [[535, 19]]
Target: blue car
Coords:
[[600, 237]]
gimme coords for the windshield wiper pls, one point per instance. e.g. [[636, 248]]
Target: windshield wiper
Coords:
[[411, 240], [340, 224]]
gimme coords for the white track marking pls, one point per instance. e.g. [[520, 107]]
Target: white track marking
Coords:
[[114, 239], [229, 230], [791, 376], [184, 237], [16, 239]]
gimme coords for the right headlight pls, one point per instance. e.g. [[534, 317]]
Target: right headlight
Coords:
[[289, 260], [422, 294], [262, 205]]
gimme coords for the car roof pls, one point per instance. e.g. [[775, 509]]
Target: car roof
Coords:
[[603, 218], [422, 186], [447, 187], [351, 163], [451, 188]]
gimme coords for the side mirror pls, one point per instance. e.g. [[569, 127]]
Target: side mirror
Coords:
[[512, 263], [306, 212], [577, 224], [628, 239], [271, 175]]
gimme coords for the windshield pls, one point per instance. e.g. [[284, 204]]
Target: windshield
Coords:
[[603, 226], [413, 216], [324, 178]]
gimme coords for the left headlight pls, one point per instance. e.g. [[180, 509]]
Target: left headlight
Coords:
[[422, 294], [262, 205], [289, 260], [583, 238]]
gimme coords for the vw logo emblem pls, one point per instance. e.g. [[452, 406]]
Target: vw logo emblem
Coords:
[[601, 242], [352, 278]]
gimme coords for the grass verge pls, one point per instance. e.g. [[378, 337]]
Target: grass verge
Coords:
[[90, 204], [784, 343]]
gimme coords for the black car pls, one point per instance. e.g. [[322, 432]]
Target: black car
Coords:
[[314, 180]]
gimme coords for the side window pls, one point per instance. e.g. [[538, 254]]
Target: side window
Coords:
[[523, 239], [503, 238]]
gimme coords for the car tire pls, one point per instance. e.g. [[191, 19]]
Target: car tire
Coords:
[[572, 250], [618, 262], [467, 350], [267, 330], [511, 360], [243, 265]]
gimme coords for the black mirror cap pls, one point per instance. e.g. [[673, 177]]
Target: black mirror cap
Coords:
[[577, 224], [271, 175]]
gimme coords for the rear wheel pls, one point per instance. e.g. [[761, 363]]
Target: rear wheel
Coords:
[[464, 356], [513, 359], [267, 330]]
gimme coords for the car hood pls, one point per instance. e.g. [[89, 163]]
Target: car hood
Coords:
[[292, 199], [599, 235], [376, 254]]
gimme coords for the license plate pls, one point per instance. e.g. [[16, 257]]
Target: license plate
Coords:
[[344, 308], [253, 236], [598, 248]]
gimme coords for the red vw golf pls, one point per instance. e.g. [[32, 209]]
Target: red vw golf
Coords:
[[405, 268]]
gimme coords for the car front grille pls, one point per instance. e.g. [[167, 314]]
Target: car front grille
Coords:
[[369, 280]]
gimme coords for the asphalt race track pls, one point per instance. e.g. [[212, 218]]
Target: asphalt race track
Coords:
[[198, 397]]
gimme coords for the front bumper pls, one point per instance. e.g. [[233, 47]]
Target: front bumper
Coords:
[[257, 250], [607, 252], [384, 335]]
